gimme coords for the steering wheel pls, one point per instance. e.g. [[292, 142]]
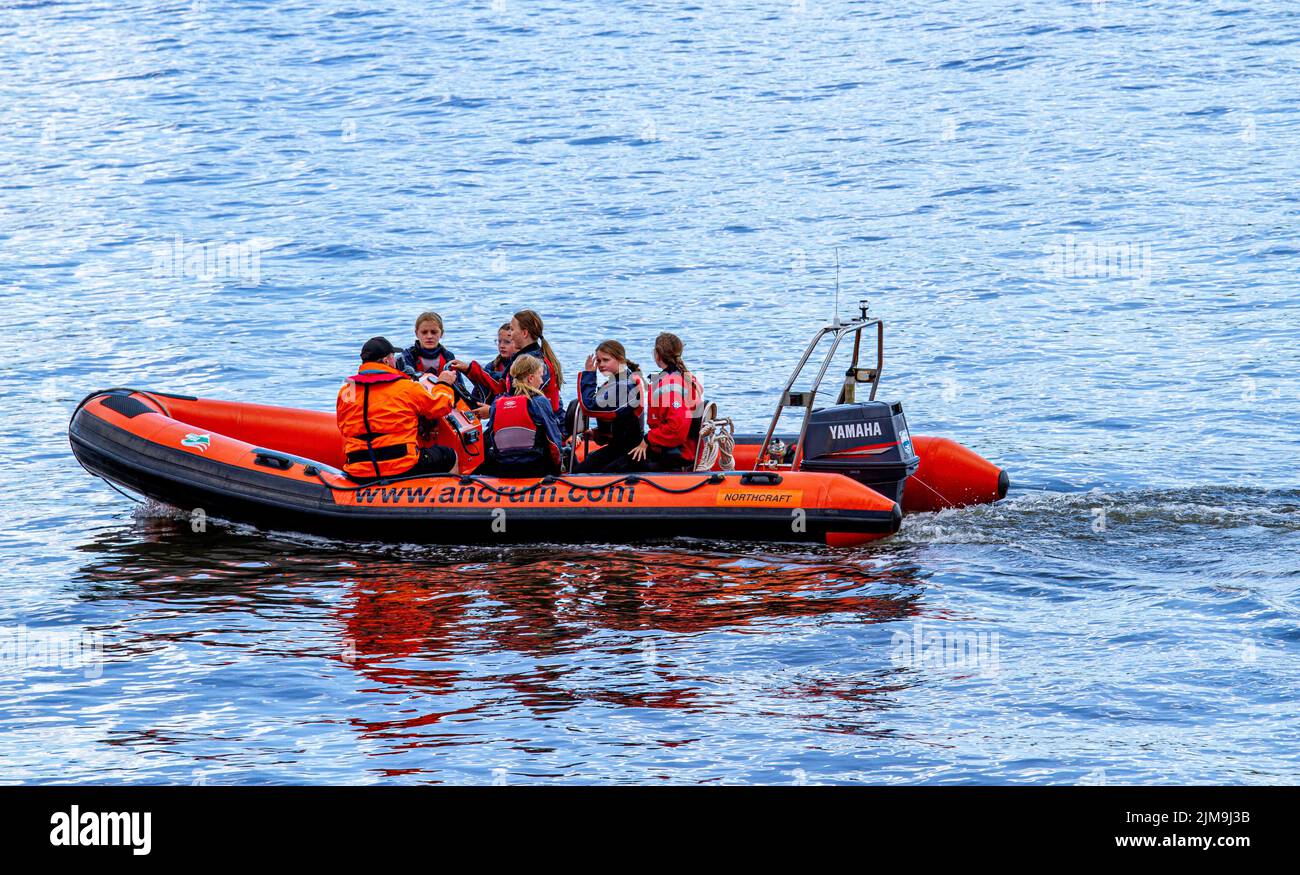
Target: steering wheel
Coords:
[[461, 393], [457, 387]]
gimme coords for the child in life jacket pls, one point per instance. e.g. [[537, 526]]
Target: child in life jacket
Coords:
[[427, 354], [523, 436], [496, 369], [526, 335], [616, 407], [672, 412]]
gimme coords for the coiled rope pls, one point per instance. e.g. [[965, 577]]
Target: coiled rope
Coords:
[[718, 437]]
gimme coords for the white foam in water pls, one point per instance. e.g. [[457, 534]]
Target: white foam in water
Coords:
[[1083, 516], [149, 509]]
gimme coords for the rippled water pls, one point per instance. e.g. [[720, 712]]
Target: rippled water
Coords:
[[1129, 614]]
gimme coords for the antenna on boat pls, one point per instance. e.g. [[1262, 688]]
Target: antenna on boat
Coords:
[[837, 285]]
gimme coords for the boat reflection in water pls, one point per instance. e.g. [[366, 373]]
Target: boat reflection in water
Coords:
[[519, 633], [554, 605]]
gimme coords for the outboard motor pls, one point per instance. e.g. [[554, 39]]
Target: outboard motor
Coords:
[[867, 441]]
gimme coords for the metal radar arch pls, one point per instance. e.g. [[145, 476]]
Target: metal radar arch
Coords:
[[854, 375]]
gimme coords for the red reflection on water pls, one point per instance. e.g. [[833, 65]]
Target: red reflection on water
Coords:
[[534, 629], [402, 620]]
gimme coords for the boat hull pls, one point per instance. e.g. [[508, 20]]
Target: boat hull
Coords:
[[258, 472]]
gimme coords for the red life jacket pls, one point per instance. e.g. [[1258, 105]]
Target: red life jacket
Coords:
[[503, 385], [414, 356], [671, 415], [513, 429], [550, 387]]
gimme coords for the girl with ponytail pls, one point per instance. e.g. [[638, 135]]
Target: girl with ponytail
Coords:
[[616, 406], [526, 327], [672, 412], [522, 437], [526, 334]]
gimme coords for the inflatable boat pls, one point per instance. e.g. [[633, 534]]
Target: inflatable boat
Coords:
[[845, 478]]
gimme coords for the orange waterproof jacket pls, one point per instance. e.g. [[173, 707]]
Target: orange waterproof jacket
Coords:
[[379, 413]]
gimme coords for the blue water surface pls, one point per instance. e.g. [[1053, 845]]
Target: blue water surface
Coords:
[[1078, 219]]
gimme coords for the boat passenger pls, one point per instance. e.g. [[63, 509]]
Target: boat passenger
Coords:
[[675, 400], [379, 412], [496, 369], [427, 355], [523, 435], [526, 335], [617, 407]]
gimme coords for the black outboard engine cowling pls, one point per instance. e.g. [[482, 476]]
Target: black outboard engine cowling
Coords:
[[867, 441]]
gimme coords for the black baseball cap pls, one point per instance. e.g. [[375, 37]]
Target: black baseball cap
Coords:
[[377, 349]]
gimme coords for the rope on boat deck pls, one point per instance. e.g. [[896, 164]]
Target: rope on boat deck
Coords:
[[718, 440]]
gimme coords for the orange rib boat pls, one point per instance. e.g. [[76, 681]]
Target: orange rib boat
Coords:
[[845, 479]]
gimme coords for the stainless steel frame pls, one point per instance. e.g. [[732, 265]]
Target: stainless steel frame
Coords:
[[848, 390]]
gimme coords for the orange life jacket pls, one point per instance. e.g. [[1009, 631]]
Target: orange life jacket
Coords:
[[379, 413]]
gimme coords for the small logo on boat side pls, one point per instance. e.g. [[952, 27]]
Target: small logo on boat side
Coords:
[[761, 498], [200, 441], [855, 430]]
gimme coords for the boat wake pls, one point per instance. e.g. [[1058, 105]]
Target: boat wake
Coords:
[[1088, 516]]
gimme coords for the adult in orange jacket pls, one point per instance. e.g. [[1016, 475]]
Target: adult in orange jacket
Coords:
[[379, 411]]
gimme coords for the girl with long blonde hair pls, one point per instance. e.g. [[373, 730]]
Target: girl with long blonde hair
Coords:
[[523, 435]]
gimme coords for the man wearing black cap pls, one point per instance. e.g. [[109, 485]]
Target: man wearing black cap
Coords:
[[379, 412]]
